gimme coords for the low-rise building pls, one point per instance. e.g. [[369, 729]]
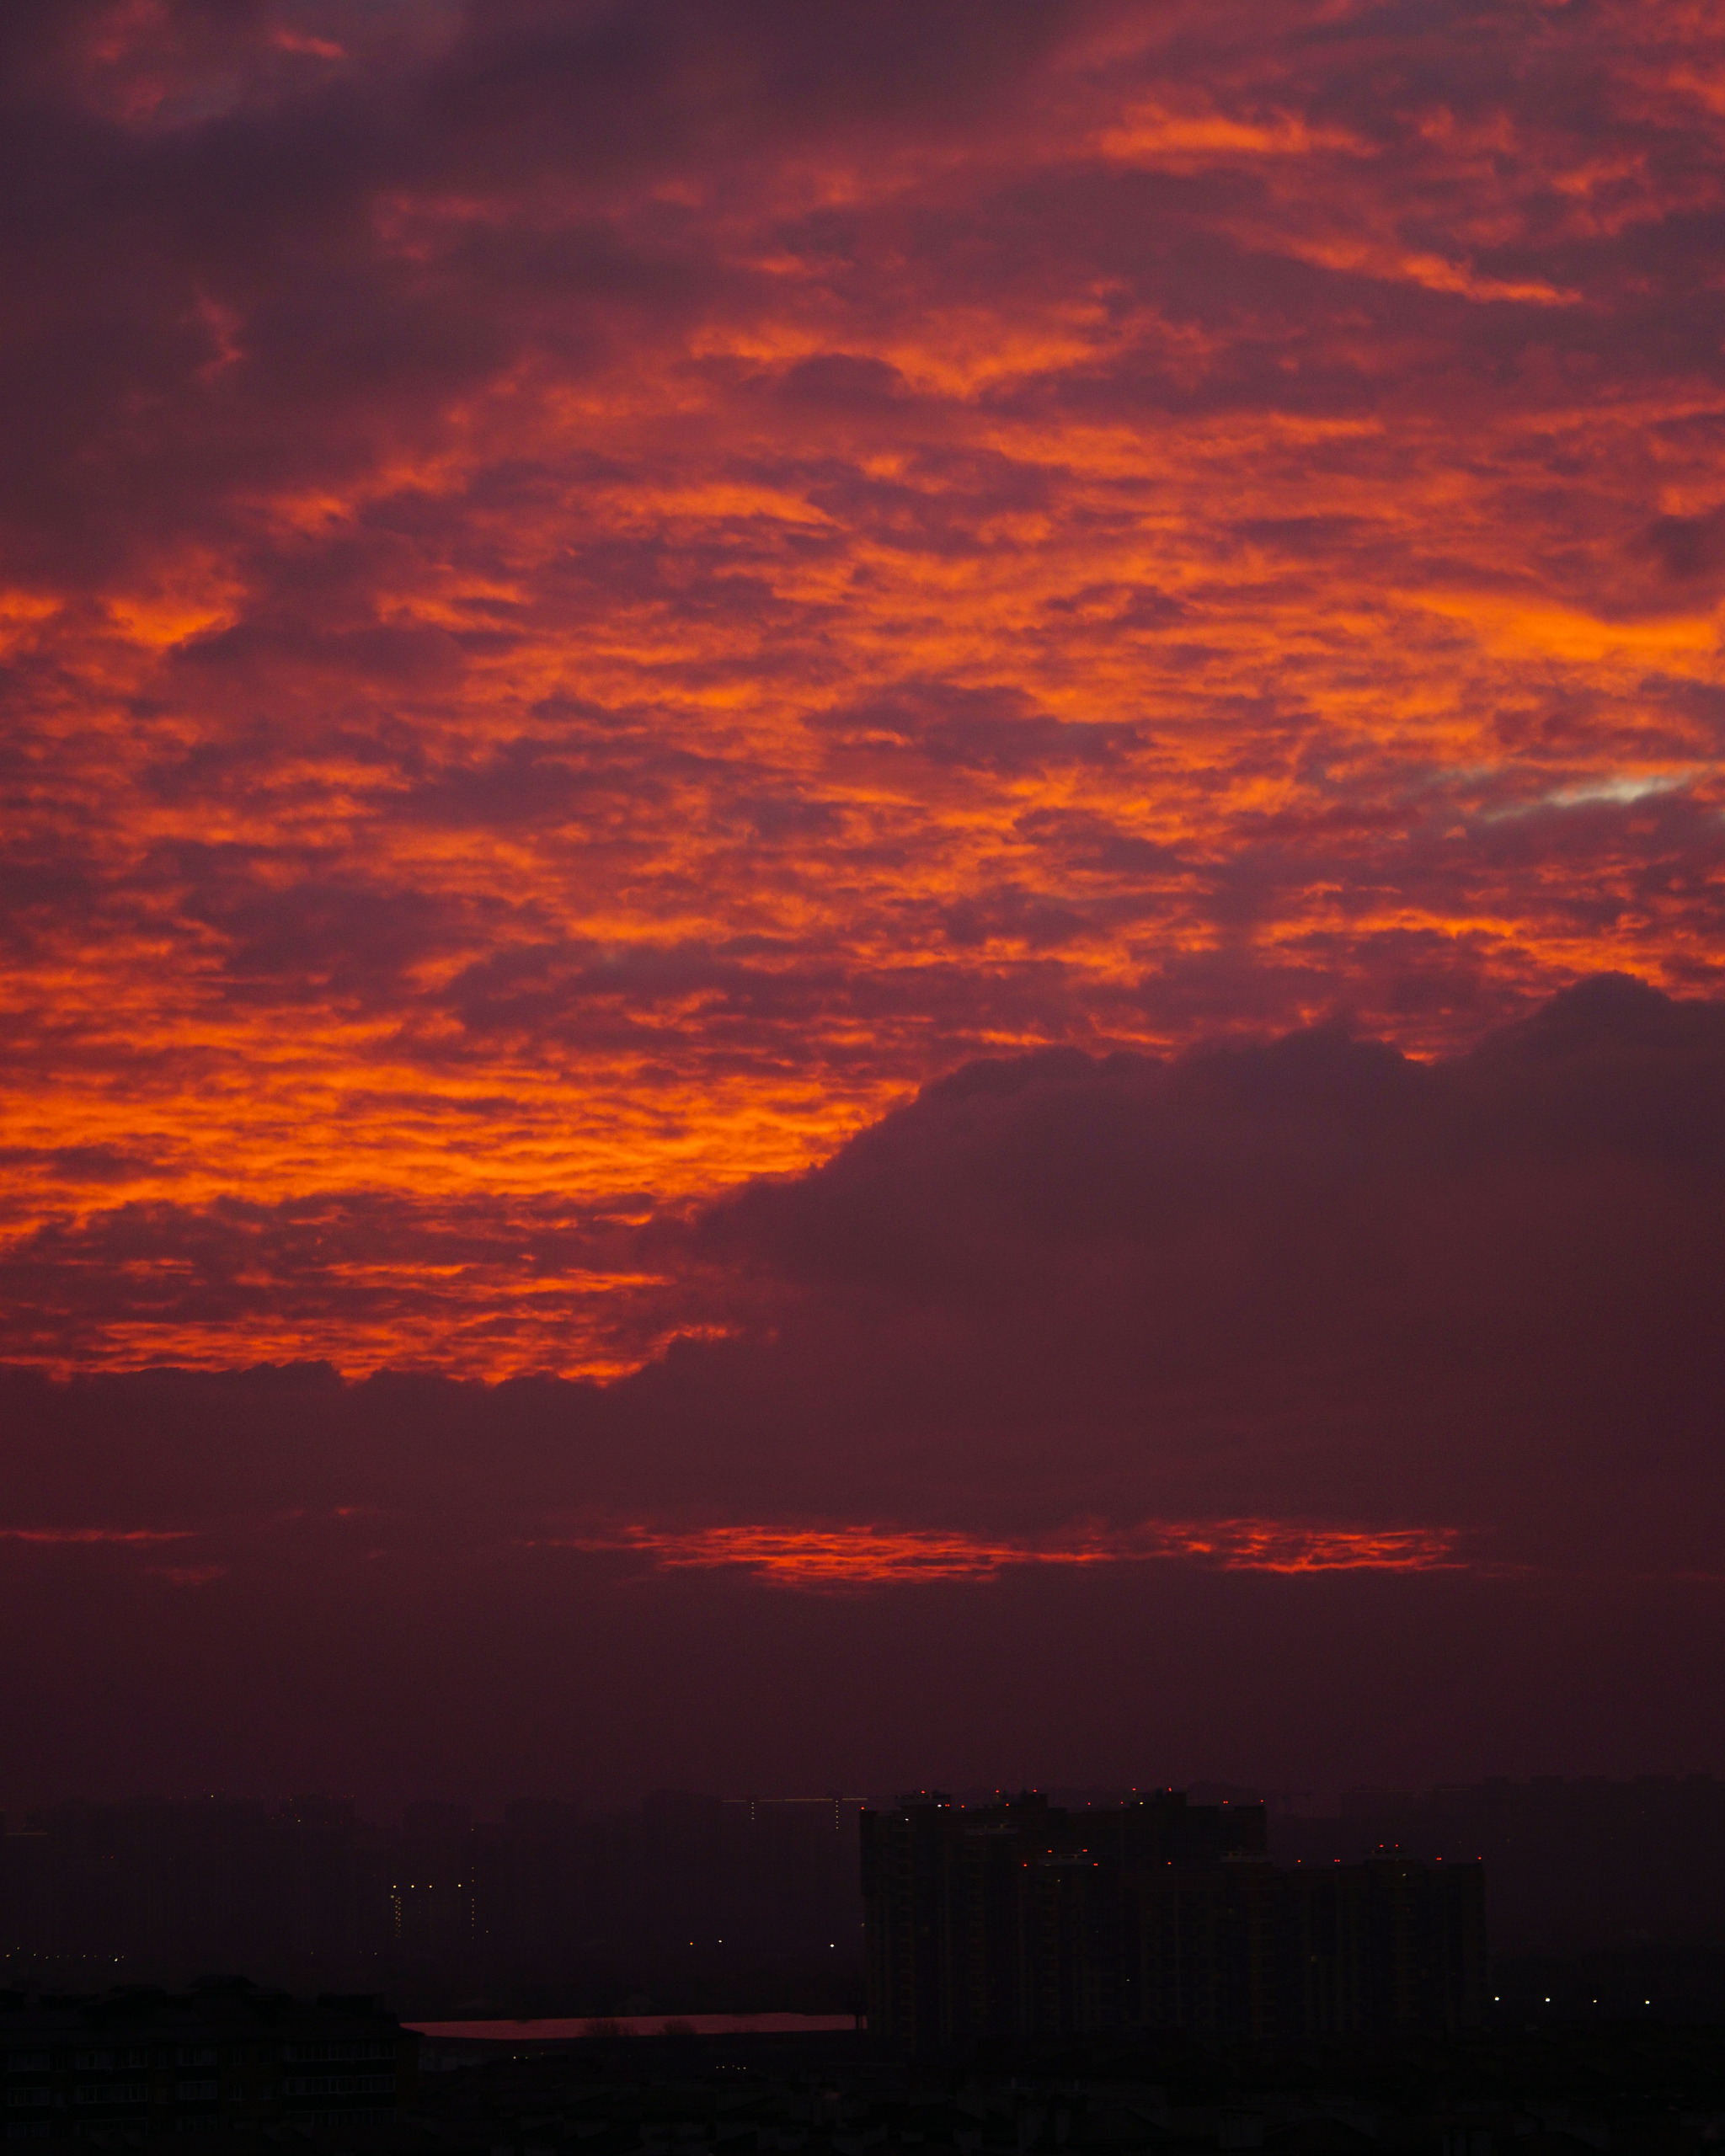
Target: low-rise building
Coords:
[[222, 2057]]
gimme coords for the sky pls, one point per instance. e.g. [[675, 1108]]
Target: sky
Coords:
[[863, 903]]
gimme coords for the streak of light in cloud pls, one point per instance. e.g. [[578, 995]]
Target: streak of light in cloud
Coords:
[[857, 1556]]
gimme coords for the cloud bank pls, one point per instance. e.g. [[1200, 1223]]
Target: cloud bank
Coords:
[[1306, 1406]]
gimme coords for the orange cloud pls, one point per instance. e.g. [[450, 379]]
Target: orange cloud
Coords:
[[581, 618], [124, 1536], [856, 1556]]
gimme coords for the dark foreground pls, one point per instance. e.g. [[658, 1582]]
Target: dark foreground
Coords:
[[1645, 2087], [1651, 2087]]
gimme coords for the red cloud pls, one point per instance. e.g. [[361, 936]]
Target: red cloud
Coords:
[[850, 1557]]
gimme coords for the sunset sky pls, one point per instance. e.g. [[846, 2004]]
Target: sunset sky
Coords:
[[864, 891]]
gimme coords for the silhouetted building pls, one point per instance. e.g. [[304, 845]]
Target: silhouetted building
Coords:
[[223, 2056], [1581, 1864], [1020, 1920]]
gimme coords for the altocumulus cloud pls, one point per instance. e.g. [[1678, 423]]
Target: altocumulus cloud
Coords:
[[591, 596]]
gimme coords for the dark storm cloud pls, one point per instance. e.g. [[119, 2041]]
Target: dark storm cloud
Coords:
[[1308, 1283], [1305, 1280]]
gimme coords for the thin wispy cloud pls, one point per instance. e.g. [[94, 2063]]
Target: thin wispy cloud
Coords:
[[850, 1557]]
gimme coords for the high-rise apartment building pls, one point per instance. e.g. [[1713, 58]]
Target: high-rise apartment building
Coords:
[[1021, 1920]]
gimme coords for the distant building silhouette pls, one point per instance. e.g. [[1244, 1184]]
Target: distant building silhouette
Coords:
[[1574, 1864], [220, 2056], [684, 1892], [1020, 1920]]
